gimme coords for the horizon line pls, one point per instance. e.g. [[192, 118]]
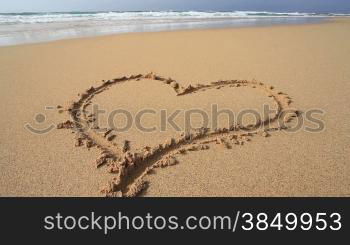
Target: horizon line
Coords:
[[170, 10]]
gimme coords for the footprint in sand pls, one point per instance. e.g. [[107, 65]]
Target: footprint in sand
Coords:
[[131, 167]]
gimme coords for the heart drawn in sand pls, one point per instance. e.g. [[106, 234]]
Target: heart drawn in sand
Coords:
[[131, 167]]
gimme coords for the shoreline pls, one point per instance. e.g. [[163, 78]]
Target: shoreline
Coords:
[[322, 20]]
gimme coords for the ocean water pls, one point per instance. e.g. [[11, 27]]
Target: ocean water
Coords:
[[20, 28]]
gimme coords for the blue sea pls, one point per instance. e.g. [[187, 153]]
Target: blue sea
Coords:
[[20, 28]]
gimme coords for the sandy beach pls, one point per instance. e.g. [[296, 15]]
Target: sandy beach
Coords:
[[302, 67]]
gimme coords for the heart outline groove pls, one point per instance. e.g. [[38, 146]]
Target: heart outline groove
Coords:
[[130, 168]]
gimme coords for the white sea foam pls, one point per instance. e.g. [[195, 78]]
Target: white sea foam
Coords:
[[17, 28], [28, 18]]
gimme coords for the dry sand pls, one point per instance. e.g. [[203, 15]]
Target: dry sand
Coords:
[[310, 63]]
